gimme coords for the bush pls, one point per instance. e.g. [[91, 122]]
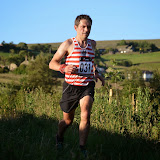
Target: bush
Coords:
[[39, 75], [4, 70], [21, 69], [23, 53], [125, 63], [1, 70], [17, 59], [133, 80]]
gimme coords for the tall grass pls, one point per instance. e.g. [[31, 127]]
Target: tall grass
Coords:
[[29, 119], [121, 117]]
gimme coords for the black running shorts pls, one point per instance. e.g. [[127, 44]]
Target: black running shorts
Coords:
[[72, 94]]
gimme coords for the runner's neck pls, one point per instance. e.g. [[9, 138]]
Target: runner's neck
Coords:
[[82, 43]]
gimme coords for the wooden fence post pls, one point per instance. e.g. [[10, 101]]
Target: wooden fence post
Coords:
[[136, 106], [110, 95], [134, 102]]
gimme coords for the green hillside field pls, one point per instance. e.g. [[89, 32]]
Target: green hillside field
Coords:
[[113, 43], [110, 43], [146, 61]]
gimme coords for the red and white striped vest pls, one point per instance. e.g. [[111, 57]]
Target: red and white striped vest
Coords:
[[83, 59]]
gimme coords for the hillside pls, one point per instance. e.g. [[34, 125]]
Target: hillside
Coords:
[[111, 43]]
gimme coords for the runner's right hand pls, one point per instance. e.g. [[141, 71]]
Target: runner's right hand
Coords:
[[70, 69]]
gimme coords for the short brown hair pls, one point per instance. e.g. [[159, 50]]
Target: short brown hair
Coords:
[[82, 16]]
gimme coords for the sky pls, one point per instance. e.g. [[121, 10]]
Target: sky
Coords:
[[52, 21]]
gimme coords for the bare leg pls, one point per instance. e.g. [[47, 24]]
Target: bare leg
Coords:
[[86, 105], [65, 123]]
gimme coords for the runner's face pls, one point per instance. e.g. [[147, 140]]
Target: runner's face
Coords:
[[83, 29]]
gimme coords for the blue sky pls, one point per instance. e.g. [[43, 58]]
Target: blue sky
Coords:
[[50, 21]]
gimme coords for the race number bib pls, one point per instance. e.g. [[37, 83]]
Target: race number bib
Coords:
[[85, 65]]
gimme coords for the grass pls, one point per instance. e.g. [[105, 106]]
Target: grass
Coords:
[[113, 43], [136, 57], [4, 54], [10, 78], [30, 137], [28, 126], [147, 61]]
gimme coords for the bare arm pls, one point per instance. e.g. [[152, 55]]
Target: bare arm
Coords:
[[55, 63], [96, 74]]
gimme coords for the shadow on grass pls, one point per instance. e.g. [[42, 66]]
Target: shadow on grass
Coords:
[[27, 137]]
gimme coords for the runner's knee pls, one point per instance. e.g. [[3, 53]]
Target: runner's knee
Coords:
[[85, 117], [68, 122]]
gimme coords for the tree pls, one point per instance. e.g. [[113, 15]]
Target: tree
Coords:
[[39, 74], [122, 42], [153, 47], [6, 47], [23, 53], [3, 60], [12, 51], [45, 48], [22, 46], [17, 59]]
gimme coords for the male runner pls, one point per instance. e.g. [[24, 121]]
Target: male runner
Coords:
[[80, 71]]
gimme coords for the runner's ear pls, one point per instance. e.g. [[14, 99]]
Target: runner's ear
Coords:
[[75, 27]]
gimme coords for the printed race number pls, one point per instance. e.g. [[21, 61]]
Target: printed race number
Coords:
[[85, 67]]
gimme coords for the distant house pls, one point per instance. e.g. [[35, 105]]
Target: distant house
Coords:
[[12, 66], [125, 49], [25, 62], [147, 75]]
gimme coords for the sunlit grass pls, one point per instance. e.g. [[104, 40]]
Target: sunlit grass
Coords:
[[10, 78], [147, 61], [29, 120]]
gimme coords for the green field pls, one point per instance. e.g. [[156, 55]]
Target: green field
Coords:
[[146, 61], [4, 54], [10, 78], [111, 43]]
